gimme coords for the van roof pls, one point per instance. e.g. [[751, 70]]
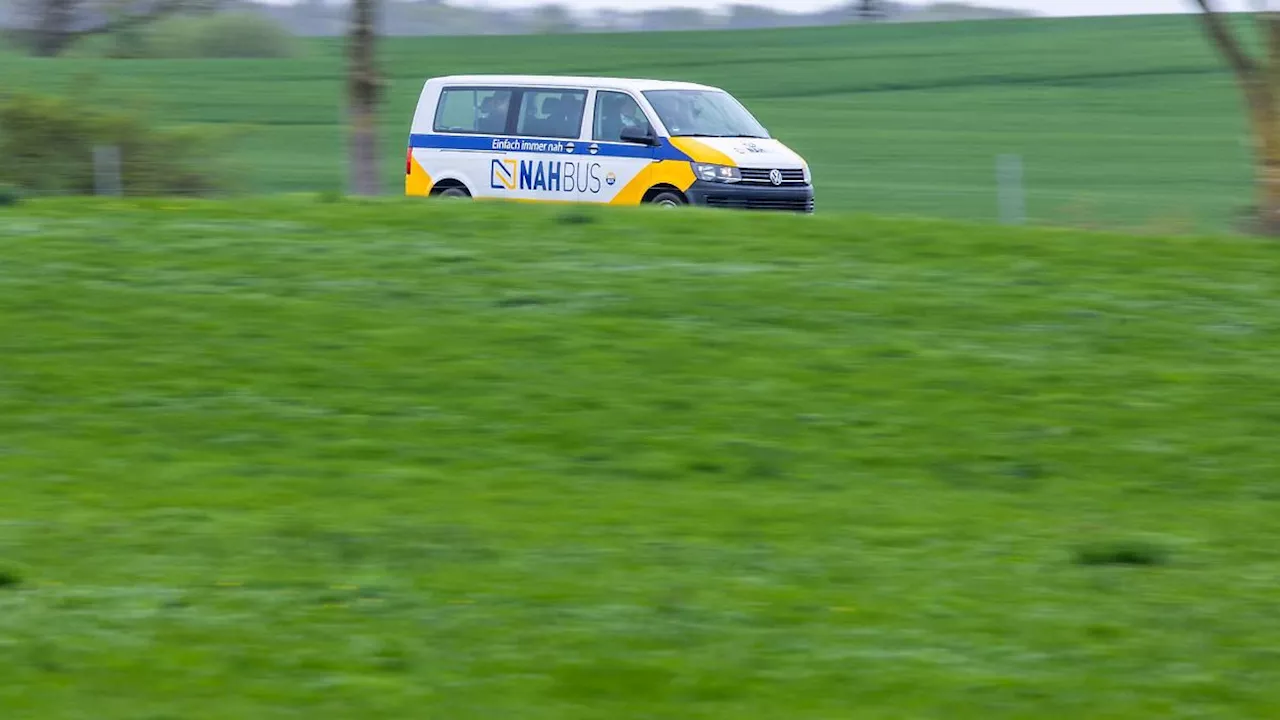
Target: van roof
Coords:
[[631, 84]]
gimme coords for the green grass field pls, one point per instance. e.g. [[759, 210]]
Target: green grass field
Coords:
[[293, 459], [1122, 123]]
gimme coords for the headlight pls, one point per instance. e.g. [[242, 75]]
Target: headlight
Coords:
[[716, 173], [808, 176]]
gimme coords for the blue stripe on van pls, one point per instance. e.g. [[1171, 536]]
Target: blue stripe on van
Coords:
[[664, 151]]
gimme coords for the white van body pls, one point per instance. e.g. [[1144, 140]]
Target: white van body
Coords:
[[598, 140]]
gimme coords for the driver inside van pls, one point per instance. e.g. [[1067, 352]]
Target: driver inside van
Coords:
[[675, 114], [618, 112]]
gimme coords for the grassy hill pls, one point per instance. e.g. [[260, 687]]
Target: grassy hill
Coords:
[[1121, 122], [393, 460]]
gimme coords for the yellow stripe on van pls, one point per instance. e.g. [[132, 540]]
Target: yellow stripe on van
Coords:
[[417, 183], [676, 173], [701, 152]]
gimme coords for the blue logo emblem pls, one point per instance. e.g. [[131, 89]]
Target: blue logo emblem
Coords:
[[504, 175]]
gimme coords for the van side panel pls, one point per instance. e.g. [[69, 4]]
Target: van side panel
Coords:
[[612, 167], [418, 182], [506, 163], [521, 166], [630, 171], [672, 173]]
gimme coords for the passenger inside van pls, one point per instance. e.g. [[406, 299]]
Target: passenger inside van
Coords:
[[553, 122], [493, 113], [556, 116]]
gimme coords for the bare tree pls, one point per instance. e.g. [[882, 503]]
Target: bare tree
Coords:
[[52, 26], [1259, 80], [869, 10], [364, 90], [552, 19]]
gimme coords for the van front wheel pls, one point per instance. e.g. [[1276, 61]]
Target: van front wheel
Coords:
[[454, 192], [667, 200]]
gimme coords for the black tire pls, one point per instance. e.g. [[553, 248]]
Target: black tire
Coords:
[[454, 192], [667, 200]]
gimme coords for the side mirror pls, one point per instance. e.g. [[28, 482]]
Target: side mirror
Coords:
[[640, 136]]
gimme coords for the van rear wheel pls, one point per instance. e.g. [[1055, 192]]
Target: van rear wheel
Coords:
[[667, 200]]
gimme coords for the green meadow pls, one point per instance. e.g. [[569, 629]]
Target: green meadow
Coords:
[[285, 458]]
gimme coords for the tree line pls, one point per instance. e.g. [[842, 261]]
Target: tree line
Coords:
[[49, 27]]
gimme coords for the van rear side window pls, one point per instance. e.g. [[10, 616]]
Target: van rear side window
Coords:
[[473, 110], [552, 113]]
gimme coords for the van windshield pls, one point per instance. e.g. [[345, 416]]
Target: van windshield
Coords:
[[704, 113]]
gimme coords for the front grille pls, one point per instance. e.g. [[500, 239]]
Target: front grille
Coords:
[[756, 175], [804, 205]]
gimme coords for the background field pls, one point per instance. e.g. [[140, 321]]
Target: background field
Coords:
[[1122, 122], [288, 459]]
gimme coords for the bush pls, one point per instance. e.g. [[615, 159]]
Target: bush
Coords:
[[227, 35], [9, 195], [47, 144], [224, 35], [10, 577]]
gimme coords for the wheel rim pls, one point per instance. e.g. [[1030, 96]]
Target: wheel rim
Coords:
[[666, 203]]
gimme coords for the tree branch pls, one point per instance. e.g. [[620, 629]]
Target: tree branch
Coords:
[[1243, 65]]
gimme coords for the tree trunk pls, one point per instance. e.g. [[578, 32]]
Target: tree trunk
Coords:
[[1265, 120], [1266, 149], [54, 32], [1259, 82], [363, 91], [364, 152]]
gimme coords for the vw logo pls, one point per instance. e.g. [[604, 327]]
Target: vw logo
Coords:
[[775, 177]]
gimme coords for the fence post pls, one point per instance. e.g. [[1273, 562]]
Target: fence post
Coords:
[[1011, 195], [106, 171]]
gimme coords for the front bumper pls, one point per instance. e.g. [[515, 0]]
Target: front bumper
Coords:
[[784, 198]]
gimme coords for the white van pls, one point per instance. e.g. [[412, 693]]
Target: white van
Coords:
[[601, 140]]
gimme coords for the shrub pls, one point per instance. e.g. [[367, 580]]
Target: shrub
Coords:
[[9, 195], [223, 35], [226, 35], [48, 143], [10, 577]]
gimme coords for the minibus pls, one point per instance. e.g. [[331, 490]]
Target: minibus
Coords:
[[598, 140]]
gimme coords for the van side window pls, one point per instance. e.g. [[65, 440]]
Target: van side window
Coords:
[[615, 111], [552, 113], [473, 110]]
